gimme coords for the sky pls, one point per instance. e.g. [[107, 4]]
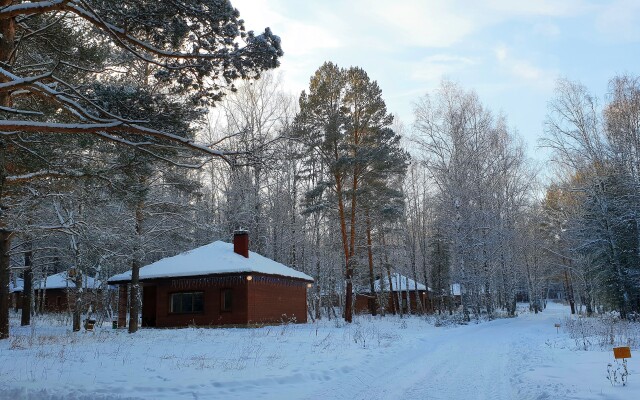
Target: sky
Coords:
[[510, 52]]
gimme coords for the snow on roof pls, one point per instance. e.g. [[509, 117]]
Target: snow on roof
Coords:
[[399, 283], [455, 289], [214, 258], [18, 287], [62, 281], [57, 281]]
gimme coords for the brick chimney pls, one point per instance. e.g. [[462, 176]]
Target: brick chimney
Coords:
[[241, 243]]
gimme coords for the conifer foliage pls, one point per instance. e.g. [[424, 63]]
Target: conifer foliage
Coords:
[[79, 74], [344, 125]]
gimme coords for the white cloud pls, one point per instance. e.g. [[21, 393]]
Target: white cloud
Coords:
[[430, 23], [553, 8], [442, 24], [547, 29], [524, 70], [300, 37], [497, 46], [620, 20], [501, 53], [303, 39], [433, 68]]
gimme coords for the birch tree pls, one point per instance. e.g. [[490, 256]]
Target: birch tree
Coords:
[[481, 183], [596, 145]]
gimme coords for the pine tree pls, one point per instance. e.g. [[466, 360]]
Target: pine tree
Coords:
[[57, 57], [344, 124]]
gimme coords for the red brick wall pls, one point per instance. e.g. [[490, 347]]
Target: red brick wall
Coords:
[[212, 314], [56, 300], [264, 299], [62, 300], [362, 304], [122, 305], [275, 300]]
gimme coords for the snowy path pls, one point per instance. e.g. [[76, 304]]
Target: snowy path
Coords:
[[473, 362]]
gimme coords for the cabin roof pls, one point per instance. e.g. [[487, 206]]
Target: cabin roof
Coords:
[[60, 281], [456, 289], [399, 283], [211, 259], [18, 287]]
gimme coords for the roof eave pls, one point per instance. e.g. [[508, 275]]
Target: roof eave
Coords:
[[121, 281]]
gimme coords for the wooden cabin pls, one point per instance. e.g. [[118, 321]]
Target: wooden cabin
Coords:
[[456, 294], [16, 286], [217, 284], [58, 291], [403, 290]]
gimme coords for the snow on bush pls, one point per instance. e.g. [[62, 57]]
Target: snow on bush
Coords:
[[602, 332]]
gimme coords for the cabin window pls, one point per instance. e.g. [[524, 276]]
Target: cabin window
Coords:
[[226, 299], [187, 302]]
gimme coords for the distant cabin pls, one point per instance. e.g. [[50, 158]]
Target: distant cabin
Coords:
[[405, 291], [58, 291], [16, 286], [456, 293], [217, 284]]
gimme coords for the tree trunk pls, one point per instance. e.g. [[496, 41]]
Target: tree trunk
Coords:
[[587, 293], [7, 50], [134, 304], [77, 301], [399, 295], [5, 246], [7, 47], [569, 287], [317, 283], [27, 290], [347, 253], [388, 268], [372, 299], [352, 246], [420, 307]]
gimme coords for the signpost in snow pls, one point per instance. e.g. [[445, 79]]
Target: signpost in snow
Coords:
[[619, 370], [557, 328], [621, 352]]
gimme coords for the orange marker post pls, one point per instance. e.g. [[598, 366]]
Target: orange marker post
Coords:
[[621, 352]]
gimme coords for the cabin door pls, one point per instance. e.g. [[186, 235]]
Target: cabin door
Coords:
[[148, 306]]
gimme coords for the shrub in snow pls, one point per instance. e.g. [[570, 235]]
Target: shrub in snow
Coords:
[[618, 373], [605, 331], [581, 330]]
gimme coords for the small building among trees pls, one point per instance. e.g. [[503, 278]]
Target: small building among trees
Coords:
[[57, 292], [16, 286], [217, 284], [456, 294], [403, 294]]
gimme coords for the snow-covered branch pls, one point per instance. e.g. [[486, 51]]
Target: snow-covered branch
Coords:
[[105, 130]]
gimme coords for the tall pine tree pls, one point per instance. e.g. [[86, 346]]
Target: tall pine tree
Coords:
[[344, 124]]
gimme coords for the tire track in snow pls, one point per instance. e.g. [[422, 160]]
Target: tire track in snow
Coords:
[[469, 362]]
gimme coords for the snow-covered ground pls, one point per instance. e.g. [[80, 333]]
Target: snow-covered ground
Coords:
[[388, 358]]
